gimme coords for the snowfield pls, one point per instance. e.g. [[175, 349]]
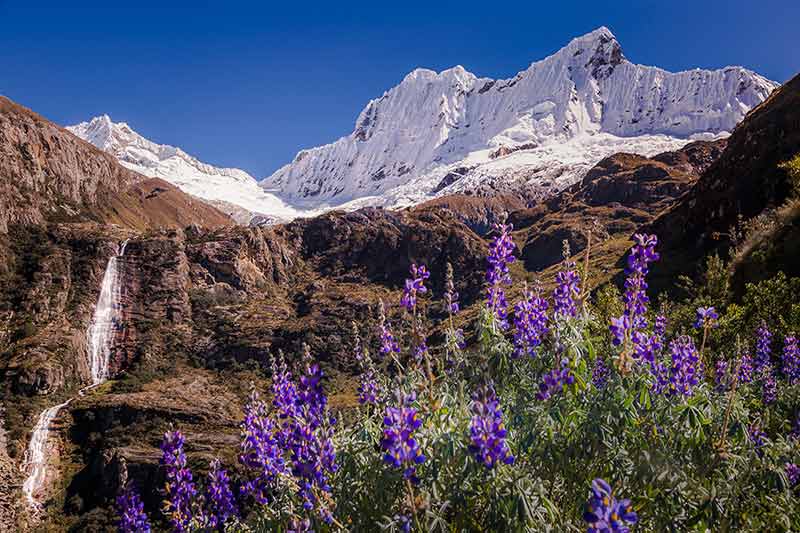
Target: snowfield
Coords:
[[451, 132], [538, 131]]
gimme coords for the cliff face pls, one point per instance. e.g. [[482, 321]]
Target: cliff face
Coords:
[[745, 180], [46, 172], [617, 196]]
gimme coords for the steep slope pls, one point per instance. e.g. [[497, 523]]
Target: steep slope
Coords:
[[746, 182], [47, 173], [614, 199], [219, 186], [441, 133], [746, 179]]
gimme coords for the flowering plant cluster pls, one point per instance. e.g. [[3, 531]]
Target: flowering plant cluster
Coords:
[[487, 432], [501, 254], [507, 433]]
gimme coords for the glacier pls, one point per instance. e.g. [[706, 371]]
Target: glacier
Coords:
[[232, 190], [533, 134]]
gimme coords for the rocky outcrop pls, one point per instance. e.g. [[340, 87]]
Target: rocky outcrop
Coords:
[[47, 172], [478, 213], [744, 181], [378, 246], [617, 196]]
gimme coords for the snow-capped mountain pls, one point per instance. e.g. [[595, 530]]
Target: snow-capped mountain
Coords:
[[439, 133], [230, 189]]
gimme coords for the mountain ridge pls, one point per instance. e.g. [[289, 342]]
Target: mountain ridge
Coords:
[[449, 132], [231, 190]]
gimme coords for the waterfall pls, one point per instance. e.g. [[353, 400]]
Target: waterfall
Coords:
[[36, 454], [105, 320], [100, 338]]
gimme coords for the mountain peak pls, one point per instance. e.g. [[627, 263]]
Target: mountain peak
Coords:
[[598, 51], [442, 132], [230, 189]]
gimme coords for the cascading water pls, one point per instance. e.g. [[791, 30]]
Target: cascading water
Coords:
[[36, 455], [104, 322], [100, 338]]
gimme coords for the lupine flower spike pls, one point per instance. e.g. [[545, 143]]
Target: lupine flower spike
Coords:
[[450, 293], [530, 323], [179, 490], [554, 381], [600, 372], [219, 499], [606, 514], [792, 474], [791, 359], [414, 286], [627, 330], [260, 452], [130, 509], [487, 432], [686, 367], [568, 288], [389, 345], [401, 450], [501, 254], [763, 348]]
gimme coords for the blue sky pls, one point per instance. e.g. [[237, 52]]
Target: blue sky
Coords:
[[248, 84]]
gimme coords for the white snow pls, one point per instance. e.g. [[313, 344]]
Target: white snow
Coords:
[[447, 132], [561, 115], [192, 176]]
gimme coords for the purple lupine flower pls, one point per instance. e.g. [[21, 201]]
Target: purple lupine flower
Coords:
[[501, 254], [763, 347], [179, 490], [721, 378], [311, 395], [458, 338], [313, 459], [660, 326], [554, 381], [792, 474], [487, 433], [401, 450], [297, 525], [414, 286], [745, 369], [219, 498], [368, 389], [769, 388], [606, 514], [619, 329], [661, 377], [600, 372], [420, 351], [403, 522], [130, 509], [284, 391], [646, 347], [260, 452], [686, 369], [706, 318], [635, 297], [388, 343], [567, 289], [450, 293], [757, 437], [791, 359], [530, 323]]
